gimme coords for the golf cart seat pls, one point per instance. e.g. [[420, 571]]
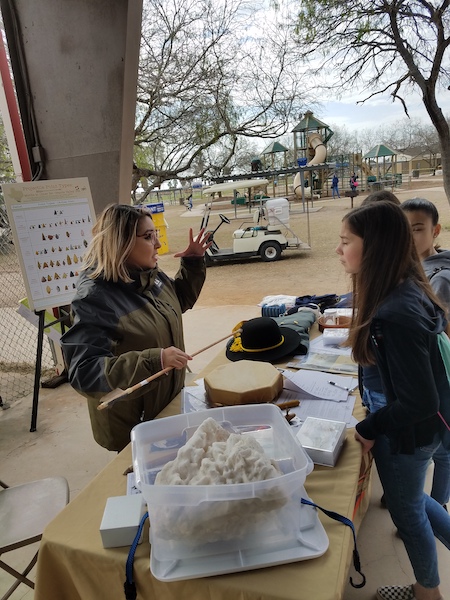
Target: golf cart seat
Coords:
[[247, 232], [251, 231]]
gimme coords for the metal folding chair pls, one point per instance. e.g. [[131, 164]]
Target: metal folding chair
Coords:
[[25, 511]]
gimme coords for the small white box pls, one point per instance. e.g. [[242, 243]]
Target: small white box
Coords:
[[121, 520], [334, 336], [344, 312], [322, 439]]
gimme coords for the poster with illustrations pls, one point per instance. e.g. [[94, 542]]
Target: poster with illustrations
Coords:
[[51, 222]]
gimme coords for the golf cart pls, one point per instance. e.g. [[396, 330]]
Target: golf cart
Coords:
[[255, 239]]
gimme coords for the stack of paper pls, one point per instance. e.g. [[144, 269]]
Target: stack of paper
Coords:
[[318, 398], [332, 359], [319, 386]]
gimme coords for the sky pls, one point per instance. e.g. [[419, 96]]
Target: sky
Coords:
[[377, 111]]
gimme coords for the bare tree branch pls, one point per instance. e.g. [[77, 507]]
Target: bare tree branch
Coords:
[[386, 46], [209, 76]]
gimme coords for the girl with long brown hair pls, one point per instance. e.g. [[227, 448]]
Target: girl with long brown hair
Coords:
[[396, 323]]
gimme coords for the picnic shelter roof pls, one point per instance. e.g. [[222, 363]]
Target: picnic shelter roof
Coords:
[[379, 150]]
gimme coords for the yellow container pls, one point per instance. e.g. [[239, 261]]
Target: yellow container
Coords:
[[157, 211], [161, 227]]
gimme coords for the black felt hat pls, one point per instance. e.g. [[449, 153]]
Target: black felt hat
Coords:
[[262, 339]]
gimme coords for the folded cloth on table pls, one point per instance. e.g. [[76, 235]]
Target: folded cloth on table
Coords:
[[323, 302], [301, 323]]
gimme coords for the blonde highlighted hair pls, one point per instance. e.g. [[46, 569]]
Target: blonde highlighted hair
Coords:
[[114, 236]]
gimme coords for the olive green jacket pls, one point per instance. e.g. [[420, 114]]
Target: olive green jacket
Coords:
[[116, 339]]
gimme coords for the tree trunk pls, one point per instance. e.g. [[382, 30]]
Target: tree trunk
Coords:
[[443, 131], [445, 161]]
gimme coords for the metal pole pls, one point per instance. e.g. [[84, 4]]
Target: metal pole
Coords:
[[302, 181], [37, 372]]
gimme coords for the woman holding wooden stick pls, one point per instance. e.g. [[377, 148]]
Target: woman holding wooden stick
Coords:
[[127, 321]]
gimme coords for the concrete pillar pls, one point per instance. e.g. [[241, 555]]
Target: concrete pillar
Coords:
[[81, 58]]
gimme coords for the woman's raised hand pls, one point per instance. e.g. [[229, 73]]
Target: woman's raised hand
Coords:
[[197, 246]]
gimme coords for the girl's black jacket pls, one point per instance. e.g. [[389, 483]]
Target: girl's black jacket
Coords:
[[404, 336]]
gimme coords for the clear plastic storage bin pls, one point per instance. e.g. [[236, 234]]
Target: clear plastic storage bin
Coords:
[[191, 522]]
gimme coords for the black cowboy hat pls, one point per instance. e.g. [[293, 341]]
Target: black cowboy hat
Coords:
[[262, 339]]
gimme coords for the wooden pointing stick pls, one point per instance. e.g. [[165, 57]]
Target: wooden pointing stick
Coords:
[[119, 394]]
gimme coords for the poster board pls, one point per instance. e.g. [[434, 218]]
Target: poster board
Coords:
[[51, 223]]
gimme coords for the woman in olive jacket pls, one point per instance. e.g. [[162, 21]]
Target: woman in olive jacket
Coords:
[[127, 321]]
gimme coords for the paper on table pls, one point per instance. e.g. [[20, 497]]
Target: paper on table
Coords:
[[331, 363], [316, 346], [315, 385], [193, 398], [324, 409]]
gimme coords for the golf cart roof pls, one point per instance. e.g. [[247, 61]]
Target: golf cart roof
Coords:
[[234, 185]]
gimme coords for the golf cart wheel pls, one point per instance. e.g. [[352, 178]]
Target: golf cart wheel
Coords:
[[270, 251]]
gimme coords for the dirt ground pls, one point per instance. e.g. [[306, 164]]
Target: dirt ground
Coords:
[[316, 271]]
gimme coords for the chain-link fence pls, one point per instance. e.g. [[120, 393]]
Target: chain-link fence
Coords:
[[18, 337]]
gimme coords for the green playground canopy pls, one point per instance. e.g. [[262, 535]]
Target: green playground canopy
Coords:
[[379, 151], [274, 147]]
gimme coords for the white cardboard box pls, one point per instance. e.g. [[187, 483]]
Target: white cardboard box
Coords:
[[335, 336], [322, 439], [121, 520]]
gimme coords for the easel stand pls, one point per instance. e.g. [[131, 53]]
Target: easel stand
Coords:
[[40, 344], [40, 212]]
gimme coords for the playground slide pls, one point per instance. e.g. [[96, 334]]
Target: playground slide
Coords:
[[320, 152], [365, 167], [309, 193]]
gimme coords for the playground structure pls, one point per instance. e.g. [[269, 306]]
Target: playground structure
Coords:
[[315, 168], [376, 170], [312, 175], [272, 150], [384, 171], [310, 138], [318, 150]]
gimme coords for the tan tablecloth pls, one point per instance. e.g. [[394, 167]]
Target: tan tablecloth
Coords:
[[73, 565]]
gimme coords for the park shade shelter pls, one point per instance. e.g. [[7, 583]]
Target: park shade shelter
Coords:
[[380, 151], [272, 149]]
